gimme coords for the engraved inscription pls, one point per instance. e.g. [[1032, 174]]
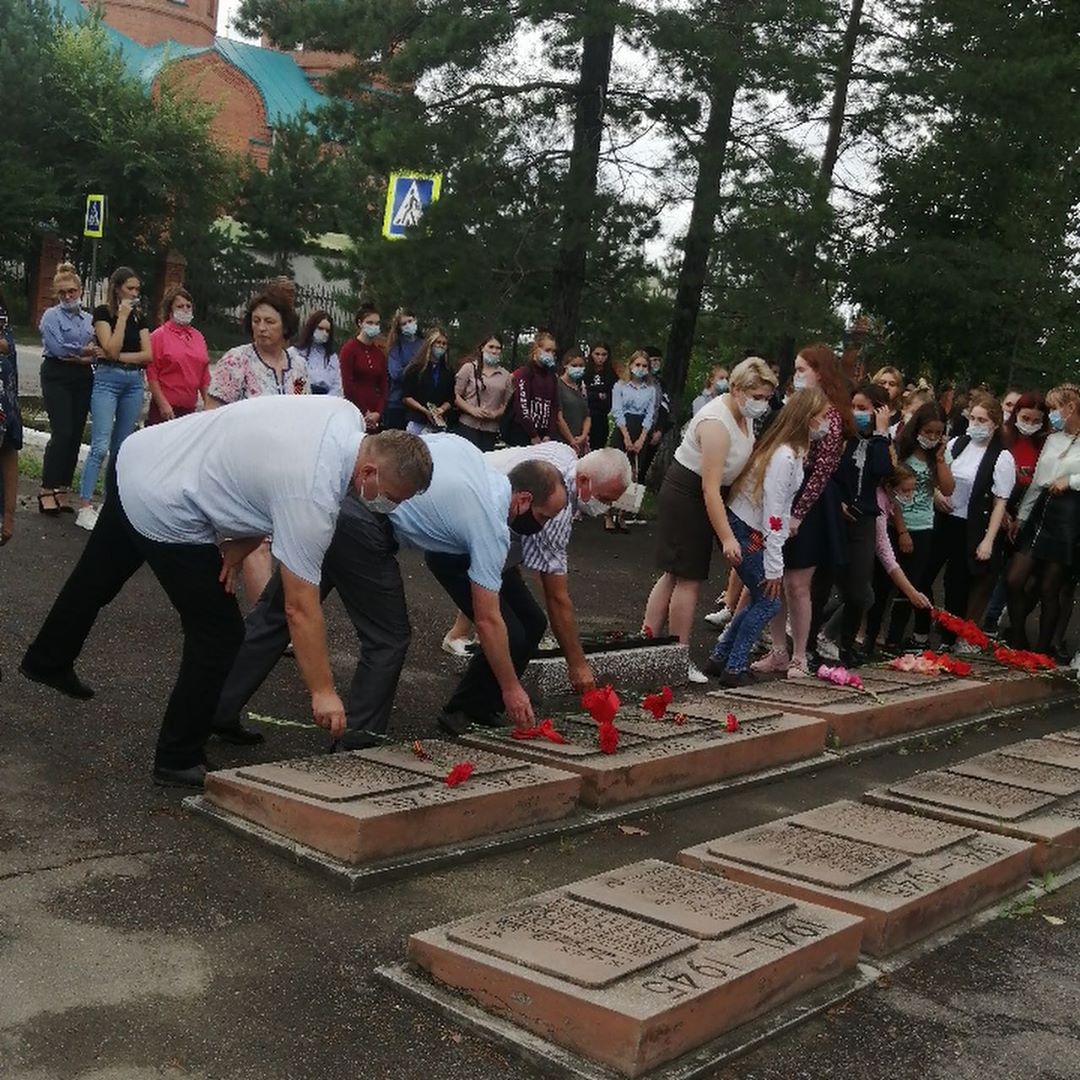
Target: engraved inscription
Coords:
[[790, 692], [986, 797], [812, 856], [893, 829], [1021, 772], [699, 904], [715, 707], [432, 794], [440, 758], [333, 778], [578, 942], [1048, 751]]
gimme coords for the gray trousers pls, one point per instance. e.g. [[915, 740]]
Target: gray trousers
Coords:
[[360, 563]]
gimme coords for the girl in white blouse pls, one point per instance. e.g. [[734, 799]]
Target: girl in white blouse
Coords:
[[1049, 521]]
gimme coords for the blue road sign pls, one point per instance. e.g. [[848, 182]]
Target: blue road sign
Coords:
[[407, 198]]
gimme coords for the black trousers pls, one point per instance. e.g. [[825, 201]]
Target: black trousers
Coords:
[[478, 695], [914, 567], [361, 565], [852, 581], [212, 625], [482, 440], [966, 589], [65, 388], [598, 433]]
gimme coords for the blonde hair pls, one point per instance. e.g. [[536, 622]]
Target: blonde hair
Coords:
[[790, 428], [1064, 394], [65, 272], [752, 374], [987, 401], [643, 356], [538, 337]]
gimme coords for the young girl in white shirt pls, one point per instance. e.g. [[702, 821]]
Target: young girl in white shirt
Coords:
[[759, 513]]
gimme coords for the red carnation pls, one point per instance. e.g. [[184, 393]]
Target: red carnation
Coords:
[[776, 524], [459, 774], [731, 724], [657, 704], [1023, 659], [601, 705], [647, 633], [964, 629], [544, 730], [607, 735]]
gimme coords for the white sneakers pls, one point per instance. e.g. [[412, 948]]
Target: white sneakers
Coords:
[[719, 619], [86, 518], [696, 675], [456, 646], [965, 648], [827, 648]]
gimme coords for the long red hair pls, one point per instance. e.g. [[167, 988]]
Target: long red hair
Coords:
[[831, 380]]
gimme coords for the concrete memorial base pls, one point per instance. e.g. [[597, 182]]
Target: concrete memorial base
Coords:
[[901, 701], [689, 748], [367, 805], [1030, 790], [905, 875], [638, 966]]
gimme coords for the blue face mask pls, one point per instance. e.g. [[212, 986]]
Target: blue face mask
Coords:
[[1056, 420], [576, 373], [864, 421], [438, 352], [71, 306], [639, 374], [547, 359]]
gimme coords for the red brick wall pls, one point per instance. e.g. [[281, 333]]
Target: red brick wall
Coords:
[[240, 125], [152, 21]]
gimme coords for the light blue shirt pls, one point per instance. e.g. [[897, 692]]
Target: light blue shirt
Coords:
[[463, 512], [64, 334], [637, 400]]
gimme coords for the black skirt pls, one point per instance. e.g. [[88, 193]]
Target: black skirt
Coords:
[[685, 536], [633, 428], [822, 536], [1053, 530]]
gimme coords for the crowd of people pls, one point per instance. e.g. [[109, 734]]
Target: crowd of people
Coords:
[[836, 506]]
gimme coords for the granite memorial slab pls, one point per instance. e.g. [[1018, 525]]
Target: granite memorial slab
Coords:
[[906, 876], [1060, 752], [637, 966], [367, 805], [1072, 735], [1023, 806], [657, 757]]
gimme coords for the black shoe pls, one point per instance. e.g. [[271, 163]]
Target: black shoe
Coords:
[[193, 777], [237, 735], [852, 657], [732, 680], [715, 668], [356, 740], [492, 720], [67, 682], [454, 724]]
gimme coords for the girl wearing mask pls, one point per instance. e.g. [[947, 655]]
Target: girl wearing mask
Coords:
[[1009, 402], [69, 347], [316, 345], [1049, 522], [892, 382], [633, 410], [600, 380], [178, 374], [691, 516], [716, 383], [536, 395], [482, 393], [575, 422], [967, 539], [920, 450], [117, 400], [402, 344], [364, 379], [759, 514], [427, 387], [815, 528]]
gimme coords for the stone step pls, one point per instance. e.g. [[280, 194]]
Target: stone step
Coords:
[[906, 876], [900, 702], [1030, 790], [635, 967], [689, 748], [367, 805]]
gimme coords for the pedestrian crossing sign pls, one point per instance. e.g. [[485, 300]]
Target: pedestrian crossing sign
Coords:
[[407, 199], [94, 225]]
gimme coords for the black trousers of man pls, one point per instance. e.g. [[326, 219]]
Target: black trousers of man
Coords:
[[361, 565], [478, 695], [211, 621]]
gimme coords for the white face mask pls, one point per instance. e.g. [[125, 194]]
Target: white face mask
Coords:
[[753, 409], [800, 381], [979, 433], [372, 331], [819, 431], [492, 359], [1026, 428], [927, 443], [1006, 415], [321, 337], [379, 504], [183, 318], [593, 507], [720, 386]]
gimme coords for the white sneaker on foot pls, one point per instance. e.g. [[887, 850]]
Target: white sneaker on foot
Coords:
[[965, 648], [696, 675], [86, 518], [719, 619], [827, 648], [456, 646]]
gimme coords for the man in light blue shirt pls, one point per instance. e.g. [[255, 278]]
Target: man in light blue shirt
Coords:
[[463, 524]]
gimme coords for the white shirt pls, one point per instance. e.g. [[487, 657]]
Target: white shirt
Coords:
[[268, 466], [965, 468], [547, 552], [1059, 457], [772, 516], [463, 512], [741, 443]]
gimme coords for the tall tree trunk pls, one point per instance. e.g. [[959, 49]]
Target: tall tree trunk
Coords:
[[700, 235], [807, 255], [580, 198]]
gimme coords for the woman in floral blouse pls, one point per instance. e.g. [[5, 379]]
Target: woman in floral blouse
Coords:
[[269, 365]]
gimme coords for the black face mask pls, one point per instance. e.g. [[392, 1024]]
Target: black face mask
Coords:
[[525, 524]]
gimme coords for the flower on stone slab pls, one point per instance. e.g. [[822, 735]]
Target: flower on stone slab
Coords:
[[601, 705], [544, 730], [964, 629], [839, 676], [731, 724], [1023, 659], [607, 735], [459, 773], [657, 704]]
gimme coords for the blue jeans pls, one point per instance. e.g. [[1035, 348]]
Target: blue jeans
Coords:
[[732, 648], [115, 404]]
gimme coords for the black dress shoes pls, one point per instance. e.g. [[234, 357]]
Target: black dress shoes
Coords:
[[193, 777], [237, 734], [67, 682]]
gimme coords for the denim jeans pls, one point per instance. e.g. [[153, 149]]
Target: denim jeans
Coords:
[[115, 404], [732, 648]]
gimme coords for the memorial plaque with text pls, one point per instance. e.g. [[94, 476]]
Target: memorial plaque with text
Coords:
[[904, 875], [716, 707], [1049, 751], [635, 967], [333, 777], [985, 797], [1021, 772]]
